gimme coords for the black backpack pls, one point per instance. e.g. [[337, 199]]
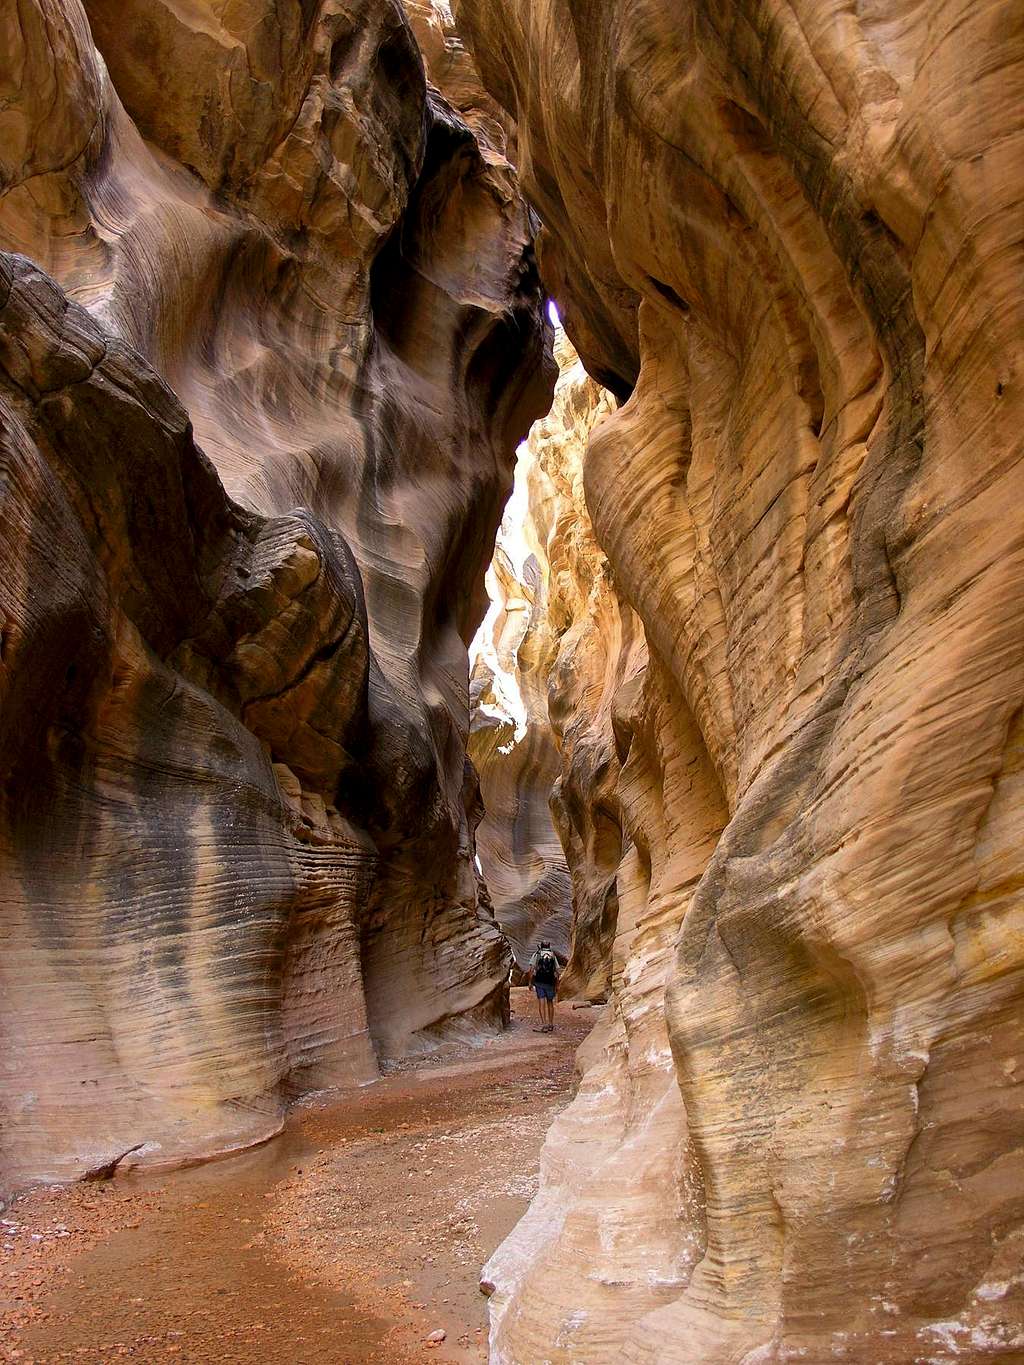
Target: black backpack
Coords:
[[545, 972]]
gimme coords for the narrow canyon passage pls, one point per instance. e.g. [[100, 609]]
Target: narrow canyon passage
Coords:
[[287, 804], [353, 1238]]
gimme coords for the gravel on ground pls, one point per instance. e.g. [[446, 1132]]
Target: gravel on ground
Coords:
[[357, 1237]]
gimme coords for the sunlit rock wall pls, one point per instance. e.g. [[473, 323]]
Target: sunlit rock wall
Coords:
[[789, 238], [558, 646], [511, 744], [272, 337], [599, 663]]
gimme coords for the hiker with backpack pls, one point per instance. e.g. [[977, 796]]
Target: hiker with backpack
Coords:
[[543, 977]]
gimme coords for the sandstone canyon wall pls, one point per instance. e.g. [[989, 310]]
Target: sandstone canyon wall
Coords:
[[512, 748], [513, 745], [565, 648], [270, 331], [788, 238]]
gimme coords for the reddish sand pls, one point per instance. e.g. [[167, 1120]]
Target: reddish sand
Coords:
[[350, 1239]]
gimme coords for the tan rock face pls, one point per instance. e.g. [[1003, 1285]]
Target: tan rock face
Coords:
[[262, 379], [562, 647], [512, 744], [521, 859], [789, 235], [601, 654]]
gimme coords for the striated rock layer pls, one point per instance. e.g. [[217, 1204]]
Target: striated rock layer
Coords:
[[269, 340], [560, 646], [789, 237], [512, 744], [512, 748], [599, 665]]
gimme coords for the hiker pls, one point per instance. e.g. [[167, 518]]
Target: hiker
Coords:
[[543, 976]]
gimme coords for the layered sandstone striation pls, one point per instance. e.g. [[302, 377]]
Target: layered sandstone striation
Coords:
[[512, 748], [513, 745], [559, 647], [789, 238], [270, 331]]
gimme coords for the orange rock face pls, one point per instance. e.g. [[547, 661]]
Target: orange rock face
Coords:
[[788, 238], [272, 336]]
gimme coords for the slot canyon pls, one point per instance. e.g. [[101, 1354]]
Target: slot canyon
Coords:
[[478, 474]]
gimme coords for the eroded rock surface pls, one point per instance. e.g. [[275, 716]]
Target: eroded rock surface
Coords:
[[561, 647], [270, 340], [512, 745], [599, 665], [788, 237]]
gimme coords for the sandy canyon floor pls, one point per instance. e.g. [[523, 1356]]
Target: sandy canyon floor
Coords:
[[353, 1238]]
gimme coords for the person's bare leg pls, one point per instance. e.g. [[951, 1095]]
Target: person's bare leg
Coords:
[[540, 1015]]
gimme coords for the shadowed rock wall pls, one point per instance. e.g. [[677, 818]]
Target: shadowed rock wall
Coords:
[[788, 237], [273, 335]]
